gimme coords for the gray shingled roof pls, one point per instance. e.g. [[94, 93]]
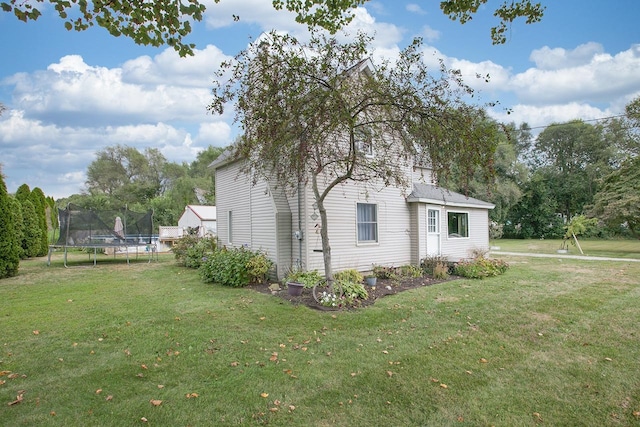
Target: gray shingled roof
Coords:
[[425, 193], [225, 157]]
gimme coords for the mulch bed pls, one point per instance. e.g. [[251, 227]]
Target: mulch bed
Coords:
[[383, 288]]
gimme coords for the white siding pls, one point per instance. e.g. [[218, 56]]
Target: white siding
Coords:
[[458, 248], [233, 192], [394, 229], [263, 220]]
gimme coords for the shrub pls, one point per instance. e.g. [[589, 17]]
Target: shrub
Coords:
[[430, 263], [181, 246], [441, 271], [235, 267], [353, 291], [410, 270], [348, 276], [481, 267], [308, 278], [191, 251], [382, 272]]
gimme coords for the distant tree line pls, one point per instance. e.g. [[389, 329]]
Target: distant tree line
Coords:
[[124, 176], [569, 169]]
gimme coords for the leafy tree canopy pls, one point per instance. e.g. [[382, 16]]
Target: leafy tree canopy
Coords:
[[618, 201], [159, 22]]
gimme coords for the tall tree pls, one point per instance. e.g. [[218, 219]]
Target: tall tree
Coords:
[[308, 113], [31, 233], [502, 188], [9, 244], [617, 203], [127, 175], [572, 156], [39, 201], [535, 214], [159, 22]]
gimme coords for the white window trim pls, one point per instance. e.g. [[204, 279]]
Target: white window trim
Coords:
[[366, 148], [368, 242], [468, 236]]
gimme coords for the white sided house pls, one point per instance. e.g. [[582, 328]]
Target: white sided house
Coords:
[[387, 226], [200, 217]]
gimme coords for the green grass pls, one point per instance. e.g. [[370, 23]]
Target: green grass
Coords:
[[551, 342], [592, 247]]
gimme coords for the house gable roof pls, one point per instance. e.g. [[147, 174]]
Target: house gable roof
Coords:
[[205, 213], [225, 157], [426, 193]]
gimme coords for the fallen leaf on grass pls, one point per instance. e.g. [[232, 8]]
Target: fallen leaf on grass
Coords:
[[274, 357], [52, 413], [109, 398], [483, 360], [98, 391], [444, 386], [264, 395], [192, 395], [19, 398], [36, 332], [636, 414], [13, 376], [389, 373], [143, 419], [3, 373], [155, 402]]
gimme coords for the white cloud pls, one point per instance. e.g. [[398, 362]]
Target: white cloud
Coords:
[[538, 117], [415, 8], [598, 78], [254, 12], [75, 93], [547, 58]]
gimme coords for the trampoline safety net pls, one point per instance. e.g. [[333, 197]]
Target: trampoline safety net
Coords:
[[97, 228]]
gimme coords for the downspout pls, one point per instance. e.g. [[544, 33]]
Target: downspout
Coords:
[[299, 226]]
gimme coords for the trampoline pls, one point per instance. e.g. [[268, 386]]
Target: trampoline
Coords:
[[119, 230]]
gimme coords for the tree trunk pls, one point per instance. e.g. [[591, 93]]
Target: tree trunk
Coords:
[[324, 231]]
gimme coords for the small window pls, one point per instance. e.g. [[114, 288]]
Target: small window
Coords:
[[367, 220], [364, 143], [365, 148], [230, 226], [458, 223]]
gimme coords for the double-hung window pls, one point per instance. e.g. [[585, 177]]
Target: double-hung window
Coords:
[[458, 223], [367, 222]]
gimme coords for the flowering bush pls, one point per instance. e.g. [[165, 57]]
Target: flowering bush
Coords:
[[481, 267], [329, 299]]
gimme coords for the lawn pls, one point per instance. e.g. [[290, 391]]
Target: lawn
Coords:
[[551, 342], [593, 247]]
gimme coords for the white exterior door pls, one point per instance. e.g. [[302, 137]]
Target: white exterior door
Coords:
[[433, 232]]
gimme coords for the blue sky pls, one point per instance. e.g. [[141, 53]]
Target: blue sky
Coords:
[[71, 94]]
